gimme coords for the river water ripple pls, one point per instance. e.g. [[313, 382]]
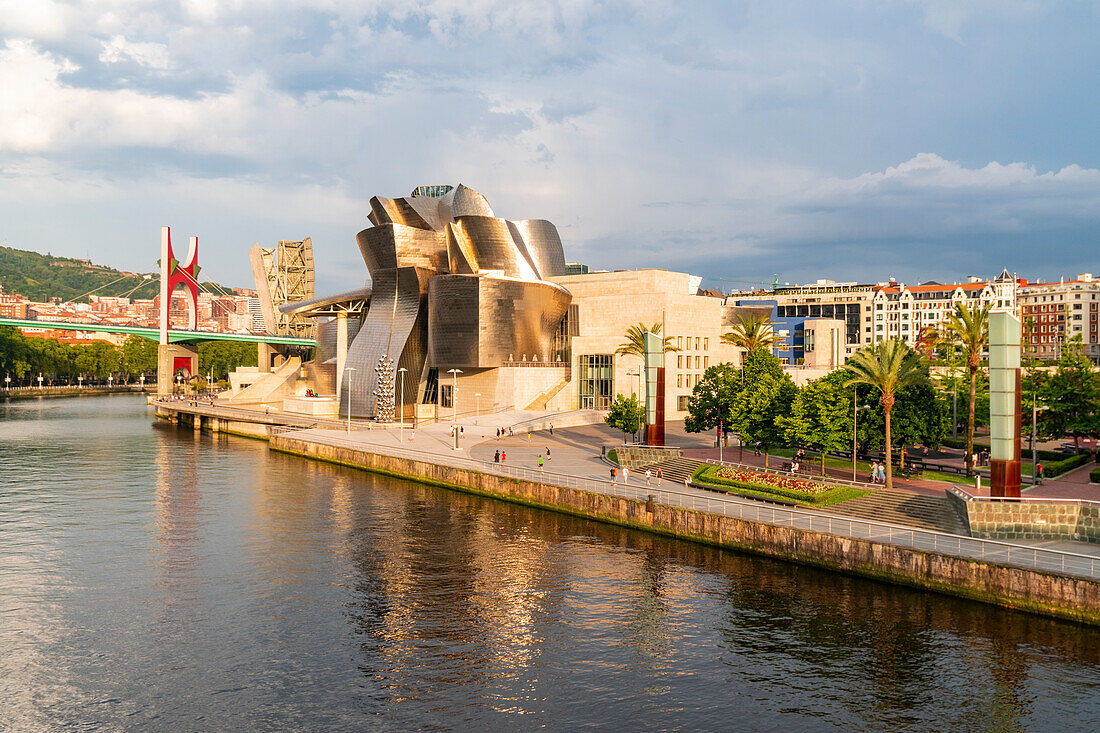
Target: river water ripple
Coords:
[[153, 578]]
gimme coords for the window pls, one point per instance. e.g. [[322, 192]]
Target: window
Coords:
[[679, 342], [445, 396], [680, 381], [595, 381], [680, 361], [706, 359], [696, 343], [682, 403], [706, 344], [697, 362]]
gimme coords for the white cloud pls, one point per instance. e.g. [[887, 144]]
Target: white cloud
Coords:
[[149, 55]]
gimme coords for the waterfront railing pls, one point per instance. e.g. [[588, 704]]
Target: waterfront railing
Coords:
[[993, 551]]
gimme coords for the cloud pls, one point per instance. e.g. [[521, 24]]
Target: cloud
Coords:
[[150, 55]]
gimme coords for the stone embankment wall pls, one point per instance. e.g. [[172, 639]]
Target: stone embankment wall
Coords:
[[634, 456], [1056, 595], [1013, 520]]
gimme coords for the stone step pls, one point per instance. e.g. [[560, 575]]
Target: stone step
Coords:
[[910, 510]]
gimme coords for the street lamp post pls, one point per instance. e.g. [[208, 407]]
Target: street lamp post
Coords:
[[80, 381], [142, 381], [401, 430], [40, 380], [346, 370], [477, 410], [454, 403], [855, 414], [7, 382]]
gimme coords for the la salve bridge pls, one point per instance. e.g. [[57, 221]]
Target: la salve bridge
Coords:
[[175, 336]]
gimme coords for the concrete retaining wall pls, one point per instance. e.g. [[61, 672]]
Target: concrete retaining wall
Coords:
[[1012, 520], [634, 456], [1056, 595]]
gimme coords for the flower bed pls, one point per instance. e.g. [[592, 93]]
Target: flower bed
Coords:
[[769, 486]]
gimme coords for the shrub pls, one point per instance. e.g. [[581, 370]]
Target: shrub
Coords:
[[769, 486], [1057, 468], [1094, 475]]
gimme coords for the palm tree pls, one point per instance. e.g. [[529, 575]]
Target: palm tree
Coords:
[[887, 366], [751, 332], [970, 331], [635, 340]]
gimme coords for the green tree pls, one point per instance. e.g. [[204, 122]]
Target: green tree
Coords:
[[758, 407], [1072, 395], [970, 331], [919, 417], [139, 356], [820, 418], [751, 331], [887, 366], [222, 357], [626, 414], [712, 399], [634, 344]]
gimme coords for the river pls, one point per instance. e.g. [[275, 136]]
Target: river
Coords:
[[154, 578]]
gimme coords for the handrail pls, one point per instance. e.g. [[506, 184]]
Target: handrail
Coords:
[[967, 496], [1031, 557]]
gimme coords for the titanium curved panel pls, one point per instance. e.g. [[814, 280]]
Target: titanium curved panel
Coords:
[[390, 328], [459, 254], [431, 210], [484, 321], [543, 245], [322, 370], [493, 246], [390, 246], [468, 202]]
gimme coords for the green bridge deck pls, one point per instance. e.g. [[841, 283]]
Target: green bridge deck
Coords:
[[174, 336]]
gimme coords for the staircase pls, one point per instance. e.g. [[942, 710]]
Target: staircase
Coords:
[[544, 397], [677, 469], [910, 510]]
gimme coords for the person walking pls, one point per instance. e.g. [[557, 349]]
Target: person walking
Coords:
[[659, 475], [626, 475], [1039, 471], [540, 461], [611, 473], [647, 476], [882, 473], [503, 456], [496, 456], [873, 469], [547, 453]]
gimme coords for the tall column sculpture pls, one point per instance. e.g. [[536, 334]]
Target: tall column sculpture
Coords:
[[173, 273], [1004, 404]]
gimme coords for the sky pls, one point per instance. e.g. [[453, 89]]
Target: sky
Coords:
[[741, 141]]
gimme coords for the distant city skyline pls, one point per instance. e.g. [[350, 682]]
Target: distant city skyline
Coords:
[[919, 139]]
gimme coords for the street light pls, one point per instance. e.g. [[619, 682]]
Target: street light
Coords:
[[401, 430], [348, 383], [477, 413], [80, 381], [454, 403], [7, 382], [40, 380], [855, 411], [142, 381]]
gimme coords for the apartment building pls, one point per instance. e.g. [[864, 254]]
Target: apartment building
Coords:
[[1055, 312], [905, 312]]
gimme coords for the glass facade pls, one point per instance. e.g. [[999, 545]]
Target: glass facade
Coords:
[[596, 381]]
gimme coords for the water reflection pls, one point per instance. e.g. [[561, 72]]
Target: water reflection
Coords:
[[164, 579]]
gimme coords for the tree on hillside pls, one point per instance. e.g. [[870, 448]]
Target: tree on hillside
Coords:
[[1072, 395], [757, 410], [626, 414], [751, 331], [712, 399], [820, 418], [634, 343], [887, 366], [970, 331]]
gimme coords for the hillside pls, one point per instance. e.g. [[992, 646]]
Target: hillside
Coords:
[[40, 277]]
